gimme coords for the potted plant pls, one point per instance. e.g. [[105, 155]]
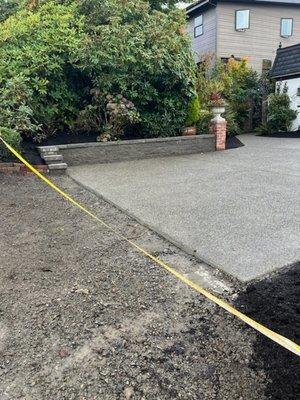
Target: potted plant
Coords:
[[217, 104], [193, 114]]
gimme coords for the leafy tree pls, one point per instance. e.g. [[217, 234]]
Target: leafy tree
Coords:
[[143, 55], [37, 46], [163, 4], [7, 8], [62, 51]]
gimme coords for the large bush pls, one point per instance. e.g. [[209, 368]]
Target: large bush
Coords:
[[143, 55], [8, 8], [11, 137], [280, 114], [36, 44], [58, 53], [16, 97]]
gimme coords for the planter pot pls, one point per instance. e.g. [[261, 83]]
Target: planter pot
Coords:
[[218, 110], [189, 131]]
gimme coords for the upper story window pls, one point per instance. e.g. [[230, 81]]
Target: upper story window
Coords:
[[242, 20], [198, 27], [286, 27]]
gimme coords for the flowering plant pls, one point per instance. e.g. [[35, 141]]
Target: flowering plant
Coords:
[[216, 100], [120, 112]]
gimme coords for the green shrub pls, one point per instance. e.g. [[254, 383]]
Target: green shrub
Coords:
[[13, 138], [205, 117], [16, 99], [237, 84], [280, 115], [262, 129], [163, 123], [37, 45], [193, 112], [233, 126], [7, 8], [60, 50], [144, 55]]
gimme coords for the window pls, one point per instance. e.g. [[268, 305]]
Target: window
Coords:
[[198, 28], [286, 27], [242, 20], [225, 60]]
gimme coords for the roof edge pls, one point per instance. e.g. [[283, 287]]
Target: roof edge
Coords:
[[197, 5], [280, 53]]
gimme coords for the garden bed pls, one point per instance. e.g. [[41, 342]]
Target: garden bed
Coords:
[[289, 135], [233, 142]]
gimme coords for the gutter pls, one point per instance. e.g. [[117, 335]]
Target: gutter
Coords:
[[202, 4]]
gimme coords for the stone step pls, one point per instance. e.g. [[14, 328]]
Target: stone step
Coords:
[[47, 149], [57, 166], [49, 158]]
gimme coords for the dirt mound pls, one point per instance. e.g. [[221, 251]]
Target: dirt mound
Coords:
[[275, 302]]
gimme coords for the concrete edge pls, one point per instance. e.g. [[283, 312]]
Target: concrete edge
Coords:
[[239, 284]]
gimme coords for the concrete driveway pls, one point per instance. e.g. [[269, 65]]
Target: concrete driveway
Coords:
[[238, 210]]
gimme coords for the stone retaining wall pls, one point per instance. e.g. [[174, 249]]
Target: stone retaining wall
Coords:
[[92, 153]]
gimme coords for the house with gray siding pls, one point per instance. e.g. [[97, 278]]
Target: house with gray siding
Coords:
[[249, 29]]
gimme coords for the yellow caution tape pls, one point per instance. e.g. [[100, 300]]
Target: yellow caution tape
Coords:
[[281, 340]]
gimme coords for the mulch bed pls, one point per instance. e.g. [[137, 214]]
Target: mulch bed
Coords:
[[233, 143], [288, 135], [275, 302], [67, 138]]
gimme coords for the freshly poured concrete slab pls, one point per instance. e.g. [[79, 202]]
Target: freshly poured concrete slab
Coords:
[[238, 210]]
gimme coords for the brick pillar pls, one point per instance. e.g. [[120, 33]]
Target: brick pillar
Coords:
[[218, 127]]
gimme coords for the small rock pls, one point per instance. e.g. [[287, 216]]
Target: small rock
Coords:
[[128, 393], [63, 353], [82, 291]]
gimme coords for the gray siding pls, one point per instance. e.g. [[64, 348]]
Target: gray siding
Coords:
[[206, 43], [262, 39]]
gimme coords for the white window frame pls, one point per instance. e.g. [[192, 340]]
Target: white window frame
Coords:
[[281, 26], [198, 26], [242, 29]]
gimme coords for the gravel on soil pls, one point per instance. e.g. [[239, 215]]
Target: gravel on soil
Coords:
[[83, 316]]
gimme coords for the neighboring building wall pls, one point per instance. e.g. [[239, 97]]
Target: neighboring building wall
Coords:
[[206, 43], [293, 85], [262, 39]]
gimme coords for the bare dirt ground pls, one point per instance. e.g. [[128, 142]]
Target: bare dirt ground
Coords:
[[83, 316]]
